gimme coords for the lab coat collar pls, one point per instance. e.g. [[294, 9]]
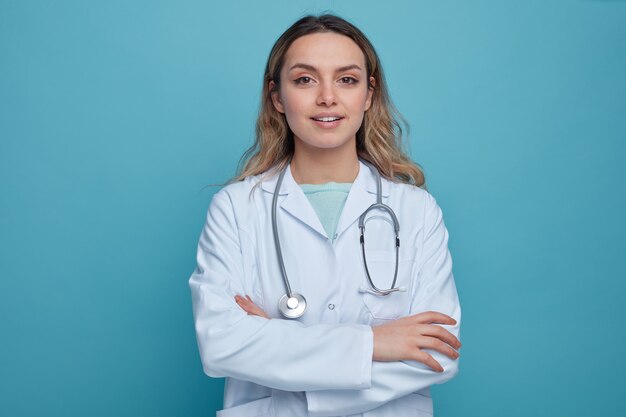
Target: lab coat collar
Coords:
[[362, 194]]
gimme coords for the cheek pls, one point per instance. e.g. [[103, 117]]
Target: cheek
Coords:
[[294, 104], [294, 109], [295, 113], [364, 100], [358, 101]]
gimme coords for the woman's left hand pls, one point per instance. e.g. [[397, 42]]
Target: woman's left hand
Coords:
[[249, 307]]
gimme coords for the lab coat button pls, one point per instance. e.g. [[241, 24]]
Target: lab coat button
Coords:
[[331, 306]]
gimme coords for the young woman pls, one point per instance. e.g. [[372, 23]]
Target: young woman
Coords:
[[324, 282]]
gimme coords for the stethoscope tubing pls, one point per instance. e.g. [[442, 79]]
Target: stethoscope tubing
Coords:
[[292, 305], [275, 232]]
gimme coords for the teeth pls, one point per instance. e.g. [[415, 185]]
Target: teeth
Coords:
[[327, 119]]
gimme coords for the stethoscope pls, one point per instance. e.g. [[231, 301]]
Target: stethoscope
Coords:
[[292, 305]]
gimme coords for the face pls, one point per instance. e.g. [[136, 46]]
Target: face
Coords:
[[323, 78]]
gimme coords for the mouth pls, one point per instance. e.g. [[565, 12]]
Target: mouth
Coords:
[[327, 119], [327, 122]]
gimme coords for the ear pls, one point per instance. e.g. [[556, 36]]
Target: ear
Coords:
[[370, 93], [275, 96]]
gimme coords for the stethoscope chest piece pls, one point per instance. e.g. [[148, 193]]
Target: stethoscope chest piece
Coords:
[[292, 307]]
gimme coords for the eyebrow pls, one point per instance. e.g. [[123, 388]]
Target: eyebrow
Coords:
[[312, 68]]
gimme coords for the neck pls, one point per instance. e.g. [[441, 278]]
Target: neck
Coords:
[[324, 166]]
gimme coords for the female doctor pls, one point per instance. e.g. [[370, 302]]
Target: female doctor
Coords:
[[324, 282]]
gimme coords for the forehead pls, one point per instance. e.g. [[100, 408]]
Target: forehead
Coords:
[[324, 51]]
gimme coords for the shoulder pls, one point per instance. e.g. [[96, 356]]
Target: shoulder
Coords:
[[416, 202], [411, 192], [233, 205], [236, 191], [238, 197]]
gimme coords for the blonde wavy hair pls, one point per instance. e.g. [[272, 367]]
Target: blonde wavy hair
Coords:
[[378, 140]]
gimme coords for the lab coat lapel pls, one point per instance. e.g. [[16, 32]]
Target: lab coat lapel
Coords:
[[362, 195], [295, 202]]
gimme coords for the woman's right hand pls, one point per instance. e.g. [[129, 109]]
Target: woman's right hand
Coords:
[[404, 339], [249, 307]]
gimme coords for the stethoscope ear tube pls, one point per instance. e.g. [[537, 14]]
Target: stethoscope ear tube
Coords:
[[375, 289], [396, 227]]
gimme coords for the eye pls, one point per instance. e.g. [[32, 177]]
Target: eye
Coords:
[[349, 80], [301, 80]]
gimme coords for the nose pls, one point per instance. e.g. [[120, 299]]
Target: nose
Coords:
[[326, 94]]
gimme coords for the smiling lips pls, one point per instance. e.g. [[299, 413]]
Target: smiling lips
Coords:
[[327, 120]]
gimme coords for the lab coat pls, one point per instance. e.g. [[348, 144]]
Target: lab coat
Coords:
[[321, 363]]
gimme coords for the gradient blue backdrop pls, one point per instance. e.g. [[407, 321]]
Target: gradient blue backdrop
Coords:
[[114, 115]]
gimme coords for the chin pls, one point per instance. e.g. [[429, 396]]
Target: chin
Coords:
[[324, 144]]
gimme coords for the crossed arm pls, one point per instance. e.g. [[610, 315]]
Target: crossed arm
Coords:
[[403, 353], [400, 339], [406, 351]]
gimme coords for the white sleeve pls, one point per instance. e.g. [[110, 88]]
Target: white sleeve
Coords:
[[276, 353], [436, 291]]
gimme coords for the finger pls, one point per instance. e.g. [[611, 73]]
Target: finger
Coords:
[[241, 301], [248, 301], [436, 344], [246, 298], [259, 312], [254, 308], [251, 308], [249, 305], [441, 333], [244, 301], [429, 361], [245, 304], [434, 317]]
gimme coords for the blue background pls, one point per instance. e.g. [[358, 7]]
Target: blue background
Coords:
[[115, 115]]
